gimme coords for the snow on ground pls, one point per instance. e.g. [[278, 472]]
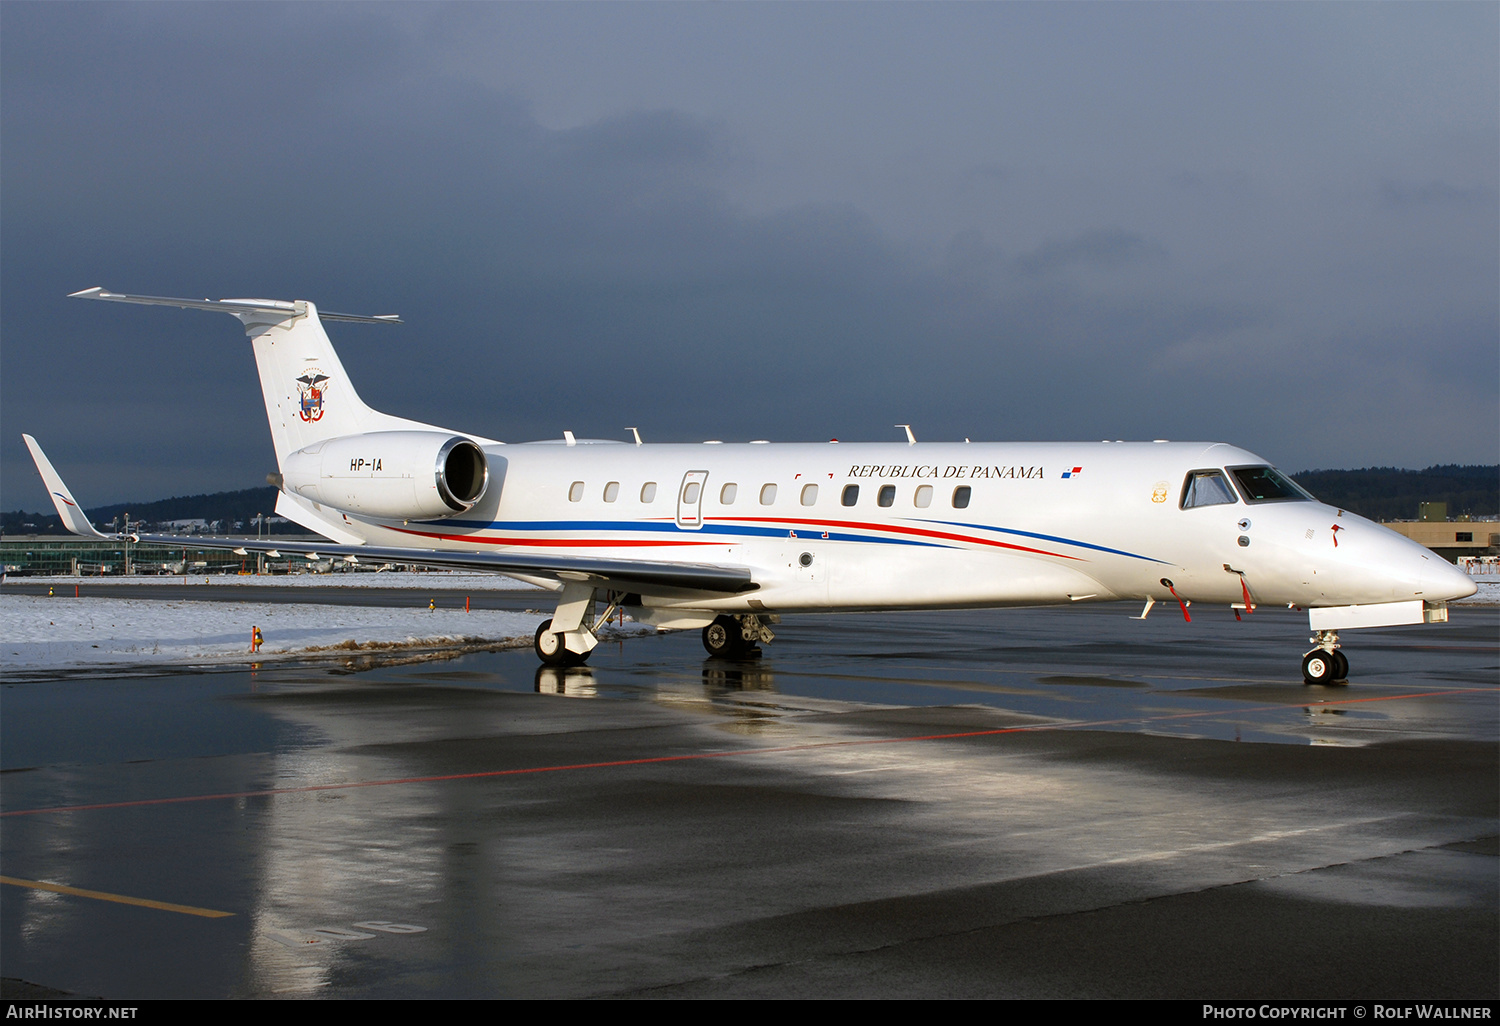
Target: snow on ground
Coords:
[[436, 580], [1488, 593], [39, 635]]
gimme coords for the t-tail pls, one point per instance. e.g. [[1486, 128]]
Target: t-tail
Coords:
[[309, 397], [331, 448]]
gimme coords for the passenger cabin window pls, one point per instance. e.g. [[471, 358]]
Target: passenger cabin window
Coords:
[[809, 494], [849, 498], [1267, 484], [727, 494], [886, 496], [923, 498], [575, 493], [961, 496], [648, 491], [690, 492], [612, 491], [767, 494], [1206, 488]]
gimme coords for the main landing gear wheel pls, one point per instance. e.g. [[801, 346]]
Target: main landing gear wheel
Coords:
[[551, 650], [1321, 666], [724, 639]]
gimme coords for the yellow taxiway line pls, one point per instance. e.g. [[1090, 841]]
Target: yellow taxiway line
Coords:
[[166, 906]]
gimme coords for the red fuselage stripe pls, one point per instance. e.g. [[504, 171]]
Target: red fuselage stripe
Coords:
[[792, 524]]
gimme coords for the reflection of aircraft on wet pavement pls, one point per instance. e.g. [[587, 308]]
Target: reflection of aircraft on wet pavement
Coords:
[[726, 537]]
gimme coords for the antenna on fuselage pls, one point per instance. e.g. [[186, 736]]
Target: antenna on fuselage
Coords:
[[637, 434], [911, 439]]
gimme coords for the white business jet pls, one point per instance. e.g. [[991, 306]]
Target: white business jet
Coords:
[[727, 537]]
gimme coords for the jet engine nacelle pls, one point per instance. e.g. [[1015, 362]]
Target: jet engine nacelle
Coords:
[[391, 475]]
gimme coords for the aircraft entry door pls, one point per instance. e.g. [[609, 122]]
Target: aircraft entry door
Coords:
[[690, 500]]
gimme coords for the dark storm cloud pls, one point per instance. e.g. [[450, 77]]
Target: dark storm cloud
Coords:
[[611, 271], [1401, 194], [1105, 248]]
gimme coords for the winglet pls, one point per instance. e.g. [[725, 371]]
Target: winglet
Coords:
[[67, 507]]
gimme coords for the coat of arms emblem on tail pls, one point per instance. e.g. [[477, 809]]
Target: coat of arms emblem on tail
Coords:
[[313, 387]]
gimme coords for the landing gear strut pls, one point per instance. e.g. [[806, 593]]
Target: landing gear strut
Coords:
[[1325, 664], [736, 637]]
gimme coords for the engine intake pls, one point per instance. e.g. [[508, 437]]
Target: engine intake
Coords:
[[462, 473], [391, 475]]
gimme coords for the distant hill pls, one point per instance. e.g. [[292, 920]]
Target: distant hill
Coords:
[[239, 506], [1380, 493], [1385, 493], [229, 507]]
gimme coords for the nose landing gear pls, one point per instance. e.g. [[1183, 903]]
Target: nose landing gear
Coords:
[[551, 648], [1325, 664]]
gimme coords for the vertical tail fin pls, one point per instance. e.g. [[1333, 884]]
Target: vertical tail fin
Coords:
[[309, 397]]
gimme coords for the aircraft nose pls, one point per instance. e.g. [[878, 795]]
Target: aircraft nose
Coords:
[[1444, 582]]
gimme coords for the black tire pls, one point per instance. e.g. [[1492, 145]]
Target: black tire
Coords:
[[1341, 666], [551, 651], [1319, 667], [723, 639]]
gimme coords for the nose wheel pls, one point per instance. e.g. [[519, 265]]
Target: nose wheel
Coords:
[[1325, 664]]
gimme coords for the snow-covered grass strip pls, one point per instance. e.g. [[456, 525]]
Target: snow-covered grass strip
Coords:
[[39, 635], [436, 580], [1487, 595]]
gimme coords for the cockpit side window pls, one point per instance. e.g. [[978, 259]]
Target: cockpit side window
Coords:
[[1206, 488], [1267, 484]]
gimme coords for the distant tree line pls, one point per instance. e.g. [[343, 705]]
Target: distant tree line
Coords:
[[228, 507], [1385, 493], [1379, 493]]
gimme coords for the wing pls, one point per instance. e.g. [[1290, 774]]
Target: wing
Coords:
[[617, 574]]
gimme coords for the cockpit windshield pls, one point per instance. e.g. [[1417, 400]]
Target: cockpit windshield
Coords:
[[1206, 488], [1267, 484]]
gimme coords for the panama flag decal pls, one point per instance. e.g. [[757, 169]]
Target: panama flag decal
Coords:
[[1071, 473]]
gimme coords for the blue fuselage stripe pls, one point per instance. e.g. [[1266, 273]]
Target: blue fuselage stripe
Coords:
[[670, 527]]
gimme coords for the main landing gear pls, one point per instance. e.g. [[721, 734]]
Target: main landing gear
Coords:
[[1325, 664], [737, 637]]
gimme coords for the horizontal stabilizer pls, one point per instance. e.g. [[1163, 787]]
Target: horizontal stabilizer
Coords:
[[234, 307]]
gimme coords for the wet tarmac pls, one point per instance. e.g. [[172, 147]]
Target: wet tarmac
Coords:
[[1033, 803]]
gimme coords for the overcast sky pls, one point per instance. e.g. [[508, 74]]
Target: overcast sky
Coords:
[[1269, 224]]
